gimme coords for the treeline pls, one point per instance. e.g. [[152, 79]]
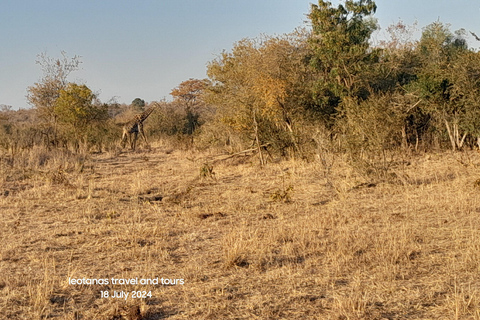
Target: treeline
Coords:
[[69, 116], [327, 87]]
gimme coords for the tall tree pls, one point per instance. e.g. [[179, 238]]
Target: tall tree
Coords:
[[341, 51], [78, 113], [440, 81], [44, 94], [138, 104], [189, 94], [258, 86]]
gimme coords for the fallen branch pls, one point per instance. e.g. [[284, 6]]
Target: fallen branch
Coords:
[[242, 152]]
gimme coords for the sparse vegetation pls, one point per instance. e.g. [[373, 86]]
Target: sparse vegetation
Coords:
[[395, 249], [314, 175]]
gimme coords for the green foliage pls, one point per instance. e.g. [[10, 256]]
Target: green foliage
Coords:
[[43, 94], [138, 104], [372, 99], [447, 80], [438, 44], [283, 91], [79, 117], [438, 50], [341, 51], [74, 105], [465, 90], [69, 113]]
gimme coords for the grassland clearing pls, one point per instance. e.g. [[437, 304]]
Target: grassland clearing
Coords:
[[277, 242]]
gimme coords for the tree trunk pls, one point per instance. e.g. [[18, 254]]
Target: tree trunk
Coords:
[[257, 139], [450, 135], [404, 137], [292, 136], [454, 134]]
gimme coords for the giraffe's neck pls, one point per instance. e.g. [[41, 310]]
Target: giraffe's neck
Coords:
[[146, 113]]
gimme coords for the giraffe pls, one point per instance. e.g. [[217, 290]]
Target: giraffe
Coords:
[[135, 126]]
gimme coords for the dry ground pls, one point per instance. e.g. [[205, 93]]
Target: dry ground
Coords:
[[249, 242]]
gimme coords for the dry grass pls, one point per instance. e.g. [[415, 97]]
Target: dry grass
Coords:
[[250, 243]]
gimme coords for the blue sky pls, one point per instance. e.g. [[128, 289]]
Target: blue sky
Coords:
[[144, 48]]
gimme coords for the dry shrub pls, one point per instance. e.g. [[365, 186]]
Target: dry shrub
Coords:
[[52, 166], [237, 249], [371, 133], [215, 135]]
